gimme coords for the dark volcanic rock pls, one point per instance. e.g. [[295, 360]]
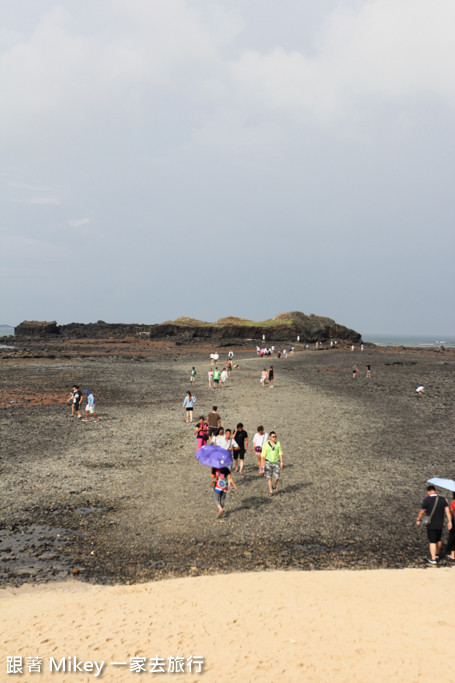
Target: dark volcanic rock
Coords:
[[34, 328], [310, 328]]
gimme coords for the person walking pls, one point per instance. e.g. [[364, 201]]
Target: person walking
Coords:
[[271, 377], [259, 440], [75, 399], [225, 440], [224, 376], [216, 377], [354, 371], [241, 437], [434, 507], [188, 403], [272, 462], [263, 377], [193, 376], [450, 547], [202, 432], [90, 406], [210, 375], [213, 422], [222, 481], [368, 370]]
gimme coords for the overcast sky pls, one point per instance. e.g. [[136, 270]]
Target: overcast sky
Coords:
[[228, 157]]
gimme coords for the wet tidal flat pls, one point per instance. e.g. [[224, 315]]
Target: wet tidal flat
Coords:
[[125, 500]]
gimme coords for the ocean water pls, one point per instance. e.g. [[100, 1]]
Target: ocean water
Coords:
[[6, 330], [417, 341]]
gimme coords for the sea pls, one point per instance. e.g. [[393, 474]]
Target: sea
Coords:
[[417, 341]]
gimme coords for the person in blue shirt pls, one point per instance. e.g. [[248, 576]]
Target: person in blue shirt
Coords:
[[90, 407]]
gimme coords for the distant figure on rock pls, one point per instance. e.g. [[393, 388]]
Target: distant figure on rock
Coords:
[[271, 377], [420, 389], [354, 371], [192, 375], [368, 370]]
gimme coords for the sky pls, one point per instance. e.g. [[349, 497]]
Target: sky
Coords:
[[162, 158]]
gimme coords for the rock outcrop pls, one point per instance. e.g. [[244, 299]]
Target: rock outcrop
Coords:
[[37, 329], [284, 327]]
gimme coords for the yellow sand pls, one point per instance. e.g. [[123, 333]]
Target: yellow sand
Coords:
[[385, 625]]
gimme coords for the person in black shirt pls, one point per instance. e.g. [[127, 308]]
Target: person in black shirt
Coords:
[[75, 398], [436, 507], [271, 377], [241, 437]]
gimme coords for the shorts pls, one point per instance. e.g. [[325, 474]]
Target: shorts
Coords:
[[213, 430], [90, 409], [217, 381], [189, 409], [77, 405], [239, 454], [434, 535], [272, 470]]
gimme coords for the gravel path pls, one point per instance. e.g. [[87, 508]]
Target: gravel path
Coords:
[[126, 500]]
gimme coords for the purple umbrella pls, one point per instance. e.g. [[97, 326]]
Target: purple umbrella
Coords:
[[214, 456]]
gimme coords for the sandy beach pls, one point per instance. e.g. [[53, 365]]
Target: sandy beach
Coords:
[[126, 502], [271, 626]]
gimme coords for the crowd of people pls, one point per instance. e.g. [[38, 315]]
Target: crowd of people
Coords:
[[265, 448]]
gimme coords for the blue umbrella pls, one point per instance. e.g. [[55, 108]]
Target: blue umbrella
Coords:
[[448, 484], [214, 456]]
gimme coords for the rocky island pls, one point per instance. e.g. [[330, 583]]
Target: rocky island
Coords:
[[283, 327]]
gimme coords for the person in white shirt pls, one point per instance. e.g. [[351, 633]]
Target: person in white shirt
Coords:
[[224, 440], [259, 440]]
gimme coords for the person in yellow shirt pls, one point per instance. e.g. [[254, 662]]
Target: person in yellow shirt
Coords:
[[272, 462]]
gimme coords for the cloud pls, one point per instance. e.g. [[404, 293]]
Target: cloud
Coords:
[[38, 200], [63, 75], [382, 50], [43, 200], [25, 251], [140, 52], [25, 186], [79, 222]]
